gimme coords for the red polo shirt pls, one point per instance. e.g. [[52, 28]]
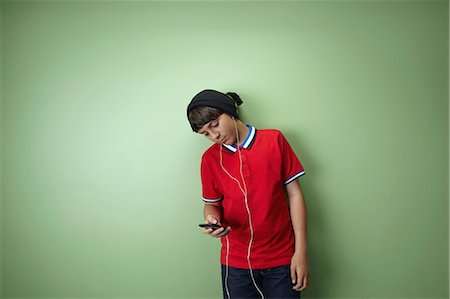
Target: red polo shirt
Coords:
[[268, 164]]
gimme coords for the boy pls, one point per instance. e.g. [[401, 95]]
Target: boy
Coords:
[[246, 176]]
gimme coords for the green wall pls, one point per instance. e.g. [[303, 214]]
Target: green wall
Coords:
[[100, 171], [1, 147]]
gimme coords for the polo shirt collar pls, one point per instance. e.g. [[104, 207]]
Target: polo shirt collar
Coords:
[[247, 142]]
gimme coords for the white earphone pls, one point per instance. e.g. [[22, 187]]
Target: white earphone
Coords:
[[244, 191]]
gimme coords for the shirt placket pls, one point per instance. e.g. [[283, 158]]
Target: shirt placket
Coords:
[[245, 165]]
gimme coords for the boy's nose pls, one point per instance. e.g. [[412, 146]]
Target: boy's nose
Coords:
[[215, 135]]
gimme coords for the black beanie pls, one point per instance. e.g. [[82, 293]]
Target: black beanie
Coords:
[[224, 102]]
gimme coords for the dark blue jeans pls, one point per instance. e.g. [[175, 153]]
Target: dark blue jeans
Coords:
[[273, 283]]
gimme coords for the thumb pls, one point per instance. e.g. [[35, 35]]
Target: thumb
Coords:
[[211, 219], [293, 275]]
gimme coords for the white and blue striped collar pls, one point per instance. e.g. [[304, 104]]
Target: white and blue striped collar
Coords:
[[247, 142]]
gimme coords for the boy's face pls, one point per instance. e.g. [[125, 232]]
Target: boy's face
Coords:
[[220, 130]]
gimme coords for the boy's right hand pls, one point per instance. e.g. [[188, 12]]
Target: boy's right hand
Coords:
[[218, 233]]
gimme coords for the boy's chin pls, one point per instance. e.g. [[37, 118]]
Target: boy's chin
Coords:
[[227, 142]]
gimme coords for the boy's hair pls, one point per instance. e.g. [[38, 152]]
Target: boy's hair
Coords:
[[209, 104], [200, 116]]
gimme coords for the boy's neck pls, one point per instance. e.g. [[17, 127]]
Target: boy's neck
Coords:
[[243, 131]]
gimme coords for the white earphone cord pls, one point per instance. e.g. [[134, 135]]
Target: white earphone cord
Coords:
[[244, 192]]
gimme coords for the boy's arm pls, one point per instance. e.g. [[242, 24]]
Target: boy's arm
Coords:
[[297, 208], [299, 264], [212, 213]]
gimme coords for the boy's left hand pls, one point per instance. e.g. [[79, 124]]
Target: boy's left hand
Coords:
[[299, 271]]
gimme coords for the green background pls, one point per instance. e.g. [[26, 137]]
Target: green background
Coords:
[[100, 180]]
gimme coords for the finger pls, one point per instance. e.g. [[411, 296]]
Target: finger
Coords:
[[225, 232], [305, 283], [299, 283], [217, 231], [297, 286], [207, 230]]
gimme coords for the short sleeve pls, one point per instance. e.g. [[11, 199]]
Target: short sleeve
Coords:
[[291, 167], [210, 188]]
